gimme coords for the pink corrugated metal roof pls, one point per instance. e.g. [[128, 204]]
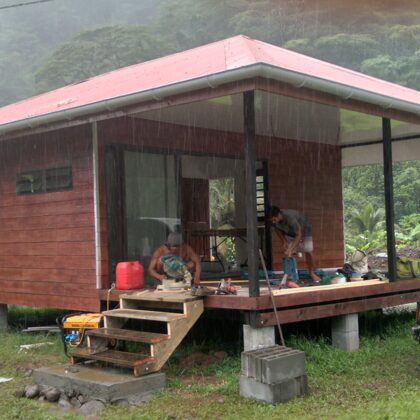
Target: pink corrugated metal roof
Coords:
[[218, 57]]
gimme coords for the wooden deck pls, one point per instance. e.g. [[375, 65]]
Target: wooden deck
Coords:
[[309, 303]]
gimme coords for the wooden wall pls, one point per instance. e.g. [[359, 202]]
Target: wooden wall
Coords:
[[305, 176], [47, 240], [47, 248]]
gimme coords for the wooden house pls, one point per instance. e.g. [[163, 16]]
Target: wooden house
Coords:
[[100, 171]]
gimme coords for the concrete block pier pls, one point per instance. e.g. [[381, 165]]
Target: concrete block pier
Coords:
[[273, 374], [345, 332]]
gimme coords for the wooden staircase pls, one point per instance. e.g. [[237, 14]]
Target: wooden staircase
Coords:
[[154, 321]]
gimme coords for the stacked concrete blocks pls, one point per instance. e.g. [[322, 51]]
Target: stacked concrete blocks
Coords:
[[273, 374], [345, 332]]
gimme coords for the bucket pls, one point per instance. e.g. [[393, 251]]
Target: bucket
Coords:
[[129, 275]]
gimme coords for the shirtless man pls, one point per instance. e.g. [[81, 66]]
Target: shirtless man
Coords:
[[175, 246]]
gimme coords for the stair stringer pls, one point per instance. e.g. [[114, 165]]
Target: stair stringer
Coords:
[[177, 330]]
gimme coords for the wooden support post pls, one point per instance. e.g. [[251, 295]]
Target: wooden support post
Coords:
[[389, 198], [251, 199]]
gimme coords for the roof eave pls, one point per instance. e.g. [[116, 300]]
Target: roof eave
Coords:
[[264, 70]]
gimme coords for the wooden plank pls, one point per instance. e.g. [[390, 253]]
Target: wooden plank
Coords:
[[177, 331], [47, 209], [82, 192], [47, 235], [128, 335], [309, 295], [49, 249], [160, 296], [324, 311], [48, 288], [144, 315], [119, 358], [89, 302], [337, 292], [53, 262], [326, 287], [54, 221], [54, 275]]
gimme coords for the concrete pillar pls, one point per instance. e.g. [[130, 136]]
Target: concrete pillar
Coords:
[[3, 316], [258, 338], [345, 332]]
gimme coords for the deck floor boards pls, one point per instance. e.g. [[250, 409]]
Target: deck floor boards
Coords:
[[302, 303]]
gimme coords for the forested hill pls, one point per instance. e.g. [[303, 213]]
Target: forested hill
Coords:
[[47, 45]]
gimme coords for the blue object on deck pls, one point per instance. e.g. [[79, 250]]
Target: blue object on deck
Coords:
[[290, 268]]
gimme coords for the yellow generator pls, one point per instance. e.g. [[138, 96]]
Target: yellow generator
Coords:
[[73, 327]]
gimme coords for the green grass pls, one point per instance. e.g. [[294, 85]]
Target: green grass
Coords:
[[380, 381]]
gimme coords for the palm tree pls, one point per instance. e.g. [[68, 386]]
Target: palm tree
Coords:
[[367, 220]]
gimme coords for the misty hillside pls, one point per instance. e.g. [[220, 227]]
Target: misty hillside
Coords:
[[47, 45]]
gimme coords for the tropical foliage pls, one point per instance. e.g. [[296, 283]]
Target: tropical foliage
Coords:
[[52, 44], [363, 189], [55, 43]]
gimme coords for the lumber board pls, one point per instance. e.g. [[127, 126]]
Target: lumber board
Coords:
[[160, 296], [177, 331], [280, 292], [120, 358], [329, 310], [128, 335], [144, 315]]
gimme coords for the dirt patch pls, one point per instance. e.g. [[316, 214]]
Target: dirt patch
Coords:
[[27, 368], [201, 359], [199, 380]]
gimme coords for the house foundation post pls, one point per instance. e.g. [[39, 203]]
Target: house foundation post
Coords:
[[345, 332], [3, 316], [257, 338]]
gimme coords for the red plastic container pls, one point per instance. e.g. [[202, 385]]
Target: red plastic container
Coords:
[[129, 275]]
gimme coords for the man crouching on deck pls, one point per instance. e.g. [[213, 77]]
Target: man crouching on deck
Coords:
[[186, 256], [295, 233]]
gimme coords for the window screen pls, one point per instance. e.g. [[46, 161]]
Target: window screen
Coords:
[[44, 180]]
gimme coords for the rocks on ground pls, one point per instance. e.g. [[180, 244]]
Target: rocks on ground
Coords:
[[69, 399]]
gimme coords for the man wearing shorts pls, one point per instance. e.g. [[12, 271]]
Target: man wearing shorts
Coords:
[[295, 234]]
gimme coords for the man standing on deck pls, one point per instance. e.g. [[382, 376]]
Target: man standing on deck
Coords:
[[295, 234]]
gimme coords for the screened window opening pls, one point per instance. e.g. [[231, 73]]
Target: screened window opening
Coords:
[[44, 180]]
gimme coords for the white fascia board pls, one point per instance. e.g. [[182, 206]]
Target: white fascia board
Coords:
[[212, 81]]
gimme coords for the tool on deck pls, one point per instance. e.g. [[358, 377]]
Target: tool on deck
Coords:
[[272, 298], [178, 275], [290, 273]]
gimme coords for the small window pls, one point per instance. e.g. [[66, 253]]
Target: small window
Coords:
[[45, 180], [29, 182], [58, 179]]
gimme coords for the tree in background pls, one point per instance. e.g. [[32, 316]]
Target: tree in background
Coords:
[[98, 51]]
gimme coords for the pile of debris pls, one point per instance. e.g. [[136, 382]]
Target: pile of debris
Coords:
[[378, 259]]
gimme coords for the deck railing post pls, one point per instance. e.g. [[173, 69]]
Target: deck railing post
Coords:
[[251, 198], [389, 198]]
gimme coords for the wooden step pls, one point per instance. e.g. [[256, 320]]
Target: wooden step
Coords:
[[160, 296], [145, 315], [120, 358], [128, 335]]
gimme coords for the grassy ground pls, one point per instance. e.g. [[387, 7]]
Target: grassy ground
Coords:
[[380, 381]]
